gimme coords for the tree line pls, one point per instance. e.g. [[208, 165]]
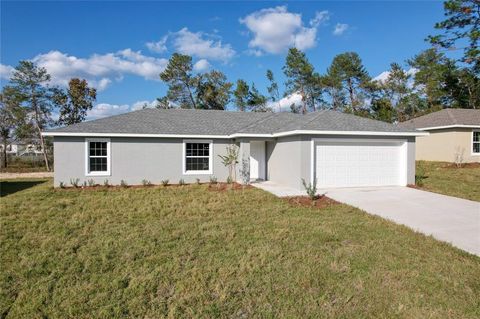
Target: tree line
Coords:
[[27, 103], [427, 82]]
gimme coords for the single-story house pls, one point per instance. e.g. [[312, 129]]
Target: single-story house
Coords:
[[454, 135], [335, 149]]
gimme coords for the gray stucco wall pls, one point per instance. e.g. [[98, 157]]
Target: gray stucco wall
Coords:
[[289, 158], [288, 161], [133, 159]]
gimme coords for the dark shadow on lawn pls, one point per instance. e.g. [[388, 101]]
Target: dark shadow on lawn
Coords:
[[10, 187]]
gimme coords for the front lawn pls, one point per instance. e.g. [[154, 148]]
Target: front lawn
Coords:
[[447, 179], [193, 252]]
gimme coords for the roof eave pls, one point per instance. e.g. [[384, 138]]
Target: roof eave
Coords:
[[364, 133], [428, 128], [238, 135]]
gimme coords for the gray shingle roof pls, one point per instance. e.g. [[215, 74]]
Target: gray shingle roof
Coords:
[[207, 122], [445, 117]]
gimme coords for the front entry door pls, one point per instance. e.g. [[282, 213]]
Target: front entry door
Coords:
[[257, 160]]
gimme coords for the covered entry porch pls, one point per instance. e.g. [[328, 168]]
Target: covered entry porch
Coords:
[[252, 160]]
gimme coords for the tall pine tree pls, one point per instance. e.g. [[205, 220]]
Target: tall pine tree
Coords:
[[32, 82]]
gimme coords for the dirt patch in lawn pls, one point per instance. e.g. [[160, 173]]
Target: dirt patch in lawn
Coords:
[[464, 165], [321, 202], [8, 175], [222, 187]]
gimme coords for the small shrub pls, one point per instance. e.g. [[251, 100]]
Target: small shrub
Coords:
[[420, 176], [105, 183], [123, 183], [61, 185], [84, 184], [197, 181], [181, 182], [229, 180], [311, 189], [74, 182], [91, 182], [231, 160], [165, 182], [146, 182], [458, 157], [213, 180]]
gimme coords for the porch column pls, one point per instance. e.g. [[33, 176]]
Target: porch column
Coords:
[[243, 166]]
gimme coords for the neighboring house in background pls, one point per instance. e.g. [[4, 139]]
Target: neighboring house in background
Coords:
[[335, 149], [454, 135], [22, 148], [12, 149]]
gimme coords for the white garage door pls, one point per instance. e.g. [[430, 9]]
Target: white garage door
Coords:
[[355, 164]]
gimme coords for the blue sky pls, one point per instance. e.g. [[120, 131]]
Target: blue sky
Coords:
[[120, 47]]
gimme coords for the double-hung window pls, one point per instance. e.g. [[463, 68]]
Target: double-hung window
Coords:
[[98, 157], [197, 157], [476, 142]]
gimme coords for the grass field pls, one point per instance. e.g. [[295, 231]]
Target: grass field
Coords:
[[192, 252], [444, 178], [24, 164]]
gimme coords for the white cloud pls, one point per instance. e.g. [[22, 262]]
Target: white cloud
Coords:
[[255, 52], [201, 65], [382, 77], [5, 71], [275, 29], [99, 69], [285, 103], [201, 45], [340, 28], [321, 17], [102, 84], [159, 46], [104, 109], [412, 71], [101, 110], [141, 104]]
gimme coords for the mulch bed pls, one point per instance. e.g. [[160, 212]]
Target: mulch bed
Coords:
[[109, 187], [213, 187], [321, 202]]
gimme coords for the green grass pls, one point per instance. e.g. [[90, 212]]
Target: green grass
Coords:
[[443, 178], [190, 252], [24, 165], [16, 169], [15, 185]]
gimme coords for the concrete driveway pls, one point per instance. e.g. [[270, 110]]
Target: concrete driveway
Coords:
[[450, 219]]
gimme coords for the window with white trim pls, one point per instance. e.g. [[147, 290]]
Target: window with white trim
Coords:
[[198, 157], [98, 156], [476, 142]]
